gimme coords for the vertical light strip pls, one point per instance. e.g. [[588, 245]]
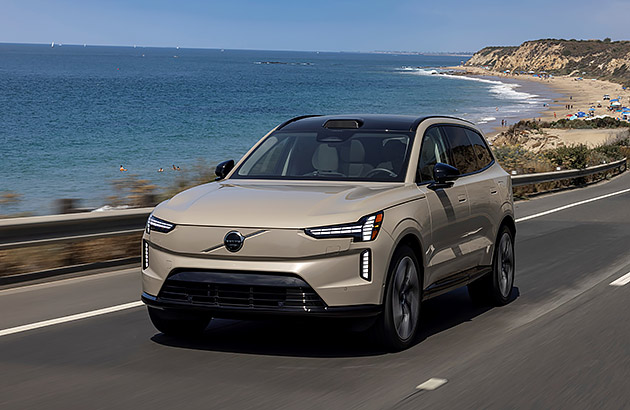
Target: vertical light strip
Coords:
[[145, 255], [365, 270]]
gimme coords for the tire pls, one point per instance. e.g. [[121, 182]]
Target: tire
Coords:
[[398, 324], [495, 288], [178, 324]]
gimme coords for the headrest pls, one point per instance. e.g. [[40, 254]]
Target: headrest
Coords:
[[357, 152], [394, 150], [326, 158]]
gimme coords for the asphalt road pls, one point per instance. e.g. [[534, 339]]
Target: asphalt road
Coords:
[[563, 342]]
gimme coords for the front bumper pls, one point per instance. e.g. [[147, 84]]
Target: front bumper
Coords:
[[331, 270], [239, 295]]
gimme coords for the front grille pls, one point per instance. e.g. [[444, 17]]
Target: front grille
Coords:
[[240, 296]]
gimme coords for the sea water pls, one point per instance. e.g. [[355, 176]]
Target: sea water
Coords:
[[72, 115]]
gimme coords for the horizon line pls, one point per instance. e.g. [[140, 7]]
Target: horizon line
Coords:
[[61, 44]]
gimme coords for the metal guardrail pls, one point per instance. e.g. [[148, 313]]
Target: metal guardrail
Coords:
[[44, 230], [540, 177]]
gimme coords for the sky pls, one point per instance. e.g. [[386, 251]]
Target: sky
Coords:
[[322, 25]]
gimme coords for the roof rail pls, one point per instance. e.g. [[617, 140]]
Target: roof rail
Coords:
[[301, 117], [417, 122]]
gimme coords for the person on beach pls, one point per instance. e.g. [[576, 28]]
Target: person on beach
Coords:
[[161, 170], [174, 168], [554, 114], [122, 169]]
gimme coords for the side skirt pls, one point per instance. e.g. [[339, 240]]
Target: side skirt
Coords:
[[455, 281]]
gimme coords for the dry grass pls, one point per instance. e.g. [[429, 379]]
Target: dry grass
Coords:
[[135, 192], [23, 260]]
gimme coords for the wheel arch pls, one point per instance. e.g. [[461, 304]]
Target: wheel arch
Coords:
[[410, 238], [509, 222]]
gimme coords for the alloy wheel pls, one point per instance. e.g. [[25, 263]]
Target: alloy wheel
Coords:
[[405, 298]]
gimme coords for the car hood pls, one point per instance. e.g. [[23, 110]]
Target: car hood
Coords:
[[266, 204]]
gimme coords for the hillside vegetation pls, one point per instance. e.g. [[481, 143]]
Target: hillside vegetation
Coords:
[[602, 59]]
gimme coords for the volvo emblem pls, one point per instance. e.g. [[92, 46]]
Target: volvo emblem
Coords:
[[233, 241]]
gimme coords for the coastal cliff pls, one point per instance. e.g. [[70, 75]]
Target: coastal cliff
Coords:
[[606, 60]]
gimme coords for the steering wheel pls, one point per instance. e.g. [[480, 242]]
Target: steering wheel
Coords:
[[325, 173], [375, 171]]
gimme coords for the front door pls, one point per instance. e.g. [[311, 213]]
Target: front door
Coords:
[[449, 209]]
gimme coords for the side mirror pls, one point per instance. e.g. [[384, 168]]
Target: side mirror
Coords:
[[443, 175], [223, 169]]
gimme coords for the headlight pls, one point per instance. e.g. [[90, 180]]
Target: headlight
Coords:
[[159, 225], [366, 229]]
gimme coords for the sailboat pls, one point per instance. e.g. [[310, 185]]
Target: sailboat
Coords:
[[52, 45]]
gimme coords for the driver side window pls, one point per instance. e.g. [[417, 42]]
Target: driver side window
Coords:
[[433, 151]]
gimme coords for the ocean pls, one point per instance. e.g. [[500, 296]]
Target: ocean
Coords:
[[71, 115]]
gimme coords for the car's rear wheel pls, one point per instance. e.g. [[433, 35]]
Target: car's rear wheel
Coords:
[[398, 325], [178, 324], [495, 288]]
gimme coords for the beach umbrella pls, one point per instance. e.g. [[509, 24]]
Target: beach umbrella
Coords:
[[614, 99], [591, 109]]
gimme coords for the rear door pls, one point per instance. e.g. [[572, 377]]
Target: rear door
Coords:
[[485, 199]]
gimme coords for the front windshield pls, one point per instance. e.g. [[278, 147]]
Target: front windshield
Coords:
[[338, 155]]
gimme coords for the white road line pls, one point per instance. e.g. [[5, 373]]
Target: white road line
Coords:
[[624, 280], [78, 316], [562, 208], [431, 384]]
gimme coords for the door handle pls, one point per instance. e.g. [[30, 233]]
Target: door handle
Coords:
[[493, 191], [461, 198]]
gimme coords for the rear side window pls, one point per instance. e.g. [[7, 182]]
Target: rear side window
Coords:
[[433, 151], [462, 151], [484, 157]]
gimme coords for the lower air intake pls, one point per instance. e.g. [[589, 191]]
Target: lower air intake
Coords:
[[240, 290]]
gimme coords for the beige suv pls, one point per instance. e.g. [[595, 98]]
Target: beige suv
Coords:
[[358, 216]]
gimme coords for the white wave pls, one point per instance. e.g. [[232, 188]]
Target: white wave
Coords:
[[502, 90], [486, 120], [419, 71]]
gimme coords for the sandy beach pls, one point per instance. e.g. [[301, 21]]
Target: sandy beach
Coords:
[[579, 94]]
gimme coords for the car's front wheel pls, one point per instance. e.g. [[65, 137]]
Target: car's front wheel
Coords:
[[179, 324], [398, 324], [495, 288]]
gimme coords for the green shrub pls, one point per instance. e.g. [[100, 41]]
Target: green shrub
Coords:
[[525, 125], [573, 157], [623, 142], [516, 158], [609, 153], [606, 122]]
